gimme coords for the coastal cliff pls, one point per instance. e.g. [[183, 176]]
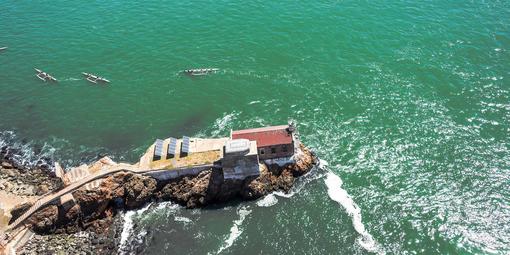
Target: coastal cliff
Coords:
[[95, 209], [84, 218]]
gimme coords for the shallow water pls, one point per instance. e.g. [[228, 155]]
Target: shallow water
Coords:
[[407, 101]]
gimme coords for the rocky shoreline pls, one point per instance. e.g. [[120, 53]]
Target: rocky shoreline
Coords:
[[91, 223]]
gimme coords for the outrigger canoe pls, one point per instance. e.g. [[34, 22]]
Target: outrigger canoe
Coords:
[[202, 71], [94, 78], [44, 76]]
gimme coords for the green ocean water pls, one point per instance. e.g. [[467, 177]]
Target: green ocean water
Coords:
[[407, 103]]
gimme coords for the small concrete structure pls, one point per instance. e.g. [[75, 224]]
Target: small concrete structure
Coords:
[[67, 201], [77, 173], [240, 159], [60, 173], [164, 175]]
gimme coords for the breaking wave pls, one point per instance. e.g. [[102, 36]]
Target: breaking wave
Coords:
[[267, 201], [235, 230], [42, 153], [224, 124], [336, 193], [128, 229], [23, 153], [314, 174]]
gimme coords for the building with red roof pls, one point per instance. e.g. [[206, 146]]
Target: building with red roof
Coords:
[[272, 142]]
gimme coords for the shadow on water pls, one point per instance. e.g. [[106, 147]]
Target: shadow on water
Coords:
[[119, 140], [30, 107], [190, 125]]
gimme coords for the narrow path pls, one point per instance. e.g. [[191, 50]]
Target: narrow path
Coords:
[[53, 196]]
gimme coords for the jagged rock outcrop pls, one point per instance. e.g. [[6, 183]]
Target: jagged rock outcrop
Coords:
[[139, 190], [94, 209], [45, 220], [18, 180]]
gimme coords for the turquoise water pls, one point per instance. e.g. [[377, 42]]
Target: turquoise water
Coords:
[[407, 102]]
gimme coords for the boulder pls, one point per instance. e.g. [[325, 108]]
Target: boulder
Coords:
[[139, 190], [44, 220], [42, 189], [6, 165]]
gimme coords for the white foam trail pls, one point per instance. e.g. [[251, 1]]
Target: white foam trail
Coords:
[[71, 79], [127, 228], [323, 163], [267, 201], [336, 193], [283, 194], [302, 181], [224, 123], [235, 230], [254, 102]]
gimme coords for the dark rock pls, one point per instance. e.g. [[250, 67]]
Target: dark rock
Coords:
[[44, 221], [6, 165], [42, 189], [139, 190], [18, 210], [95, 209]]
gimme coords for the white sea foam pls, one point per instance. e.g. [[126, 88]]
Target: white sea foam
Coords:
[[283, 194], [336, 193], [267, 201], [127, 228], [302, 181], [323, 163], [71, 79], [182, 219], [235, 230], [254, 102], [224, 123]]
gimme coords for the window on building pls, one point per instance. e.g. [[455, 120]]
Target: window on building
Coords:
[[273, 150], [262, 151], [285, 148]]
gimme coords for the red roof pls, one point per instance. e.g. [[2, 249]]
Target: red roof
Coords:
[[265, 136]]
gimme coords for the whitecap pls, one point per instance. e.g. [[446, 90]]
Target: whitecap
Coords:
[[267, 201], [336, 193], [254, 102]]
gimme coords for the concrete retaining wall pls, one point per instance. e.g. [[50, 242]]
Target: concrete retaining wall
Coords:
[[164, 175]]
